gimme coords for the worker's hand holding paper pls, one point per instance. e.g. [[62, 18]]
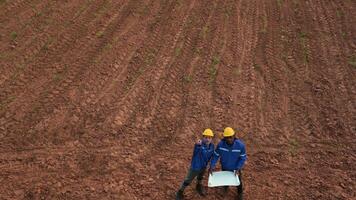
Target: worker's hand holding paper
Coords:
[[223, 178]]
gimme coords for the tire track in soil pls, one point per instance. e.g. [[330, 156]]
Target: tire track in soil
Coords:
[[277, 124], [68, 38], [275, 160], [37, 50], [123, 59], [15, 8], [335, 69], [109, 28], [40, 25], [204, 94], [12, 26], [133, 117], [325, 96], [47, 17], [156, 75], [72, 75], [148, 113], [98, 104], [130, 94], [245, 32], [220, 115], [180, 131], [123, 163]]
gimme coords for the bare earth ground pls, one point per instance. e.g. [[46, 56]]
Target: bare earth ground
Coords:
[[103, 99]]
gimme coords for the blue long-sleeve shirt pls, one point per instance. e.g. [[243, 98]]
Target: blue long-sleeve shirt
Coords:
[[232, 157], [201, 156]]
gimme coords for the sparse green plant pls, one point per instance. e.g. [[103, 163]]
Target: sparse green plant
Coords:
[[100, 33], [212, 73], [228, 11], [339, 13], [293, 146], [131, 80], [279, 3], [144, 10], [204, 31], [343, 34], [45, 47], [149, 58], [264, 28], [215, 60], [102, 10], [141, 70], [303, 40], [302, 34], [257, 67], [13, 35], [57, 77], [2, 55], [197, 50], [60, 75], [116, 39], [2, 2], [107, 46], [213, 68], [352, 61], [38, 13], [187, 78], [177, 51]]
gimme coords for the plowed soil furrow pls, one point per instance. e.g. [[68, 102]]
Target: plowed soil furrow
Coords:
[[144, 60], [16, 7], [45, 25], [105, 99], [71, 77], [250, 30], [165, 61], [11, 29], [46, 19], [220, 91], [98, 48], [170, 125], [74, 31], [335, 71]]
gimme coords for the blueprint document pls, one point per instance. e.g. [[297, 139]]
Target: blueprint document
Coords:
[[223, 178]]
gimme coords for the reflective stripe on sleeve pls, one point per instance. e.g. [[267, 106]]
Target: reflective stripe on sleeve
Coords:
[[221, 148]]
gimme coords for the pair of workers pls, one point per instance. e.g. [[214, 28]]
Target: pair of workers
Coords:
[[231, 152]]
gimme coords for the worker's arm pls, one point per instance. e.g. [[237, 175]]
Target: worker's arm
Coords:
[[214, 160], [242, 158], [197, 149]]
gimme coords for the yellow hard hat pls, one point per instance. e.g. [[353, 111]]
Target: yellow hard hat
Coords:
[[228, 131], [208, 132]]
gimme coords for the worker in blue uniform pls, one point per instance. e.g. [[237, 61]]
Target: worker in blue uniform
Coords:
[[203, 152], [232, 154]]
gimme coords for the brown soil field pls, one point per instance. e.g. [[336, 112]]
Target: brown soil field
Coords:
[[104, 99]]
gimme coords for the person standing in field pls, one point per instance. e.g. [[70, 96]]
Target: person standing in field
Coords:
[[232, 154], [203, 152]]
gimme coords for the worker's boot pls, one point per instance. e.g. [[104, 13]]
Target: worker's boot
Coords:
[[200, 189], [180, 195]]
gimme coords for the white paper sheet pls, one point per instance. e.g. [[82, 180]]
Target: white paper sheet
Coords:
[[223, 178]]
